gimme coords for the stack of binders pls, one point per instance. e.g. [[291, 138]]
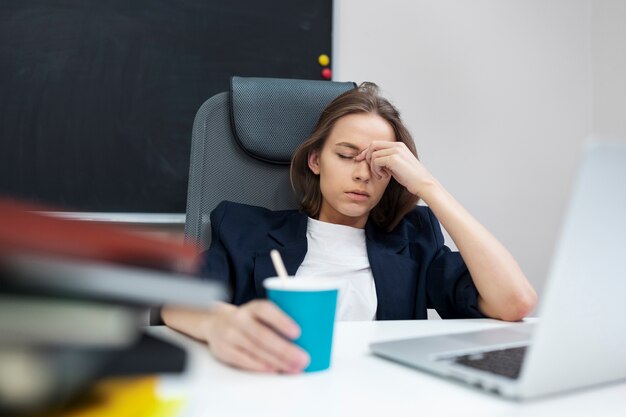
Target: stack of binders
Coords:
[[73, 300]]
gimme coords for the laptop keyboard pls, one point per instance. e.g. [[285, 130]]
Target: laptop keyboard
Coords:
[[505, 362]]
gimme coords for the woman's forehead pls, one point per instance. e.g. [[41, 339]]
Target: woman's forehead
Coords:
[[357, 131]]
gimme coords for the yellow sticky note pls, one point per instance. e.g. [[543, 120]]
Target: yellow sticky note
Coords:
[[122, 397]]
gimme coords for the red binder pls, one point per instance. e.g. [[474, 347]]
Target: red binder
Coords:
[[24, 228]]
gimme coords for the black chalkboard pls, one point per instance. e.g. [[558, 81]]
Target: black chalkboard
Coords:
[[97, 98]]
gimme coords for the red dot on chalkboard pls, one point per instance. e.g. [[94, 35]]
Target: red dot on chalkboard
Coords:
[[327, 73]]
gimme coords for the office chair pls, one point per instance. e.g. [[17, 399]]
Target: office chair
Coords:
[[242, 143]]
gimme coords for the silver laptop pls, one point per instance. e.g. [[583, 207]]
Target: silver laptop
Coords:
[[580, 339]]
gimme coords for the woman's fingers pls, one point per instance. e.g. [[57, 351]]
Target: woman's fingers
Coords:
[[382, 159], [273, 349], [366, 155], [381, 168], [381, 162], [274, 317], [377, 150], [241, 358]]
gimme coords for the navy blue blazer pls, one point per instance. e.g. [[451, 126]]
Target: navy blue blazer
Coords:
[[413, 270]]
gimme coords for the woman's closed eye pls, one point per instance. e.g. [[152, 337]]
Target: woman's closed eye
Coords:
[[344, 156]]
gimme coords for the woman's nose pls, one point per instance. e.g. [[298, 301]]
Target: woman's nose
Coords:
[[361, 171]]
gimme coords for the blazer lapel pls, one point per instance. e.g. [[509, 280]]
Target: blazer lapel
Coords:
[[290, 240], [395, 274]]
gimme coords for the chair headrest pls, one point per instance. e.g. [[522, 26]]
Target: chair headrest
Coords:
[[271, 117]]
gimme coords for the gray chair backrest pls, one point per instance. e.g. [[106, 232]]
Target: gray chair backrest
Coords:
[[242, 143]]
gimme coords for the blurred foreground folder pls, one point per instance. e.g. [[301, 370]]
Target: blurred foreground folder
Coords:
[[99, 281], [45, 321], [24, 228]]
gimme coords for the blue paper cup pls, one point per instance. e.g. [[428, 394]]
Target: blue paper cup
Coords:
[[311, 302]]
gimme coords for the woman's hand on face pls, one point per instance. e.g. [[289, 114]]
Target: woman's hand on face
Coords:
[[254, 337], [394, 158]]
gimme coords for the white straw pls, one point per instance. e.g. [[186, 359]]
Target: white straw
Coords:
[[279, 266]]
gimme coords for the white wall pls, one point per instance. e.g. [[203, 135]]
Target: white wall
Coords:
[[498, 96], [609, 67]]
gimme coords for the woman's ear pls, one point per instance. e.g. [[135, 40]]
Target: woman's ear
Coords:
[[314, 162]]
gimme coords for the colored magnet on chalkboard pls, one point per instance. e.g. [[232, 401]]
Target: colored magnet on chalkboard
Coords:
[[324, 60], [327, 73]]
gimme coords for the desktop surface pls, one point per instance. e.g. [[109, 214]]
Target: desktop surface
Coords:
[[361, 384]]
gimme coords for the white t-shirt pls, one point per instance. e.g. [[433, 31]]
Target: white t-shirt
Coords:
[[339, 251]]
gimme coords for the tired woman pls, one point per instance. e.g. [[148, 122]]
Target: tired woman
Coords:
[[358, 180]]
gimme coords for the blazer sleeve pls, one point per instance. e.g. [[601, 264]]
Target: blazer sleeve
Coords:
[[449, 285], [216, 262]]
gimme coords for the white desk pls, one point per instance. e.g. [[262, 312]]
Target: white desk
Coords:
[[360, 384]]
